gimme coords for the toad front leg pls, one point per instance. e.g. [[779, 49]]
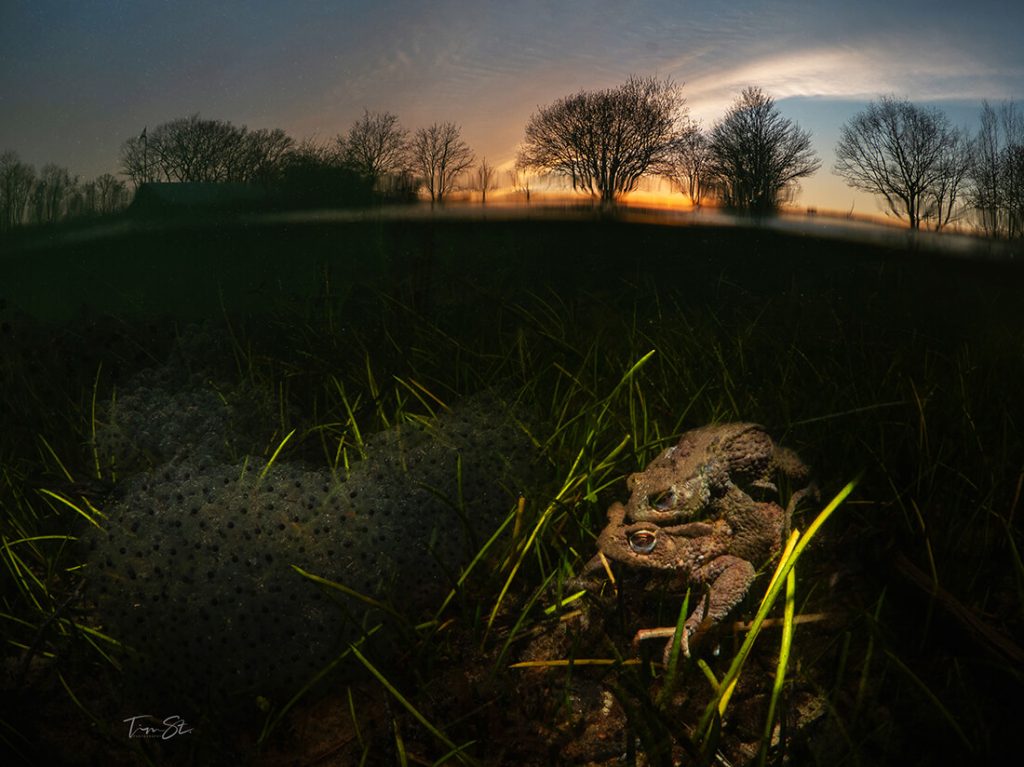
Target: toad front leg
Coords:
[[729, 579]]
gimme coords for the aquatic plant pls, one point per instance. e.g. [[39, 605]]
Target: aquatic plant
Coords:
[[903, 616]]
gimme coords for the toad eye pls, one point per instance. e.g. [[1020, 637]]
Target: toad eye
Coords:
[[663, 501], [643, 541]]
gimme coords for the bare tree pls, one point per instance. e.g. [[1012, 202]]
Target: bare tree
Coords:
[[902, 152], [758, 156], [375, 146], [995, 186], [310, 151], [262, 155], [690, 161], [521, 179], [944, 203], [111, 194], [486, 178], [605, 141], [53, 194], [1013, 186], [16, 182], [986, 159], [135, 159], [194, 149], [439, 155]]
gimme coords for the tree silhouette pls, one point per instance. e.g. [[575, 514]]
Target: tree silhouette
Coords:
[[438, 154], [315, 174], [52, 194], [908, 155], [192, 149], [375, 146], [486, 177], [689, 162], [758, 155], [261, 155], [996, 174], [16, 182], [521, 180], [111, 194], [605, 141]]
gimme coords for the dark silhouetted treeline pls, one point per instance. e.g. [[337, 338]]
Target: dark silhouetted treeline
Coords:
[[921, 167], [53, 194]]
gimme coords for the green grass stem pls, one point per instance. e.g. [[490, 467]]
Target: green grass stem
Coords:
[[794, 548], [89, 516], [277, 452], [457, 751], [785, 647]]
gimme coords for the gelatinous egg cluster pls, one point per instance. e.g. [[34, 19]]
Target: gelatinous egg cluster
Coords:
[[194, 571]]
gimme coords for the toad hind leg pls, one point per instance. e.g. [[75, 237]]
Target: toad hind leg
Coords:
[[729, 579]]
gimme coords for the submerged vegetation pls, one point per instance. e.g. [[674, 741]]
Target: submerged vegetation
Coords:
[[888, 632]]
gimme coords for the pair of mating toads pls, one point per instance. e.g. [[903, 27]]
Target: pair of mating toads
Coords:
[[708, 511]]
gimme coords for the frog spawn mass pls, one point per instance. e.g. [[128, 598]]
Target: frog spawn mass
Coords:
[[195, 568], [707, 512]]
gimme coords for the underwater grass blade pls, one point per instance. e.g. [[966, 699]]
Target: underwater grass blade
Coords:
[[548, 511], [275, 719], [53, 454], [478, 557], [933, 699], [785, 647], [444, 758], [415, 387], [349, 592], [277, 452], [97, 723], [795, 546], [671, 675], [22, 574], [569, 662], [709, 675], [572, 482], [523, 613], [865, 672], [74, 507], [408, 706], [354, 719], [552, 609], [92, 424]]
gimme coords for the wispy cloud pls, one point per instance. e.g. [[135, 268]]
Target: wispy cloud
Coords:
[[918, 69]]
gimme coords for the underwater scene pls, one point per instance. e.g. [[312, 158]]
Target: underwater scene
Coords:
[[568, 487]]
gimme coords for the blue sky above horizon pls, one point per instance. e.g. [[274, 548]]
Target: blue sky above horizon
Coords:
[[78, 78]]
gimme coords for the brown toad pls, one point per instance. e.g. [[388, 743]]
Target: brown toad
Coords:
[[687, 481], [707, 510], [716, 554]]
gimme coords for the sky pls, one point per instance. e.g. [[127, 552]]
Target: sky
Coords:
[[77, 77]]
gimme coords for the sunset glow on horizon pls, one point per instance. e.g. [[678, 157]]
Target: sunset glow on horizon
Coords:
[[81, 78]]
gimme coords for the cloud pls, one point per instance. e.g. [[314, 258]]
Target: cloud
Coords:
[[919, 69]]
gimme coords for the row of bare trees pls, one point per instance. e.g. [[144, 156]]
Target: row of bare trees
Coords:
[[923, 169], [928, 171], [376, 148], [602, 142], [995, 181], [605, 141], [200, 150], [375, 158], [911, 157], [53, 194]]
